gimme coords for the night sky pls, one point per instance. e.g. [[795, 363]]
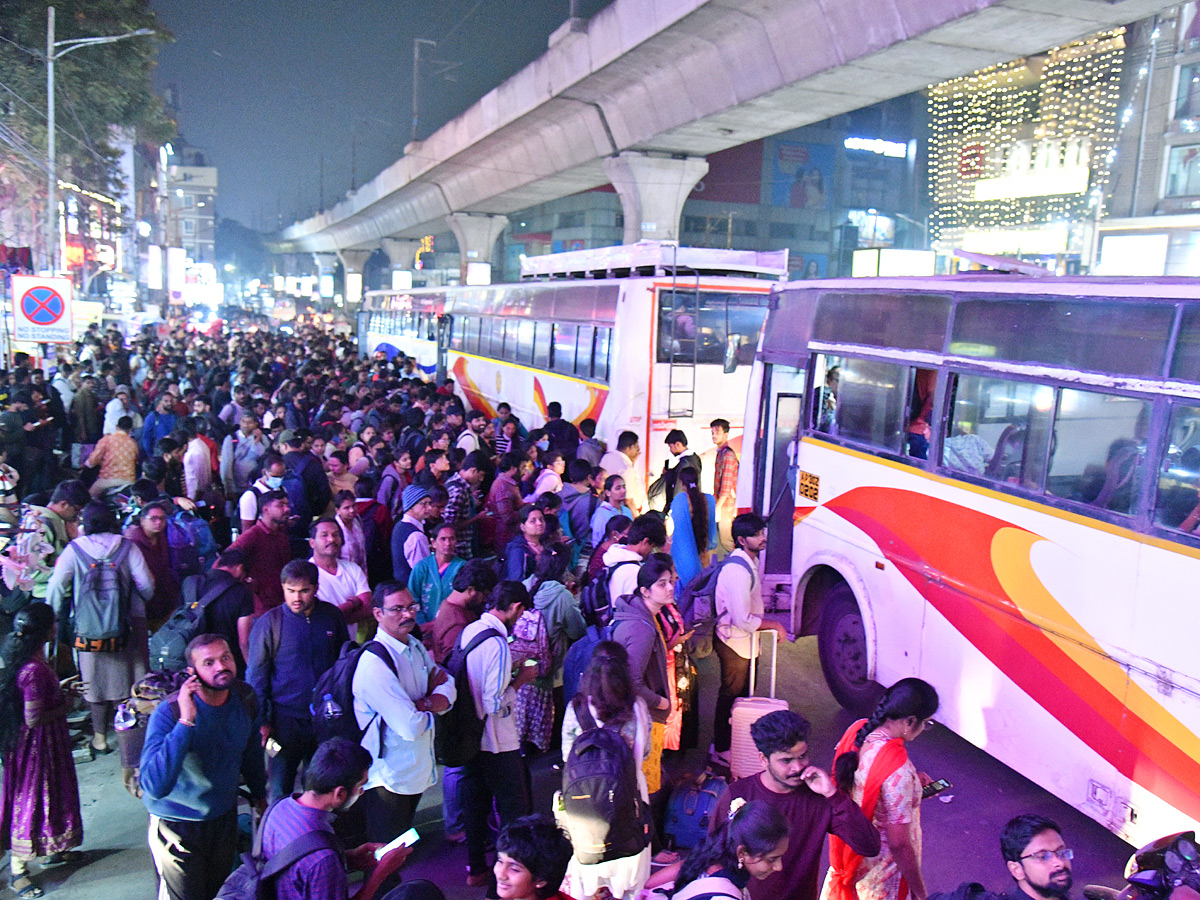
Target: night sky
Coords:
[[266, 87]]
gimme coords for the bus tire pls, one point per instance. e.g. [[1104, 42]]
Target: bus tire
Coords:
[[842, 646]]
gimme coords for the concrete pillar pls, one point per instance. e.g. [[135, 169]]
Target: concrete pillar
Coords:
[[402, 253], [352, 264], [652, 190], [476, 235], [325, 264]]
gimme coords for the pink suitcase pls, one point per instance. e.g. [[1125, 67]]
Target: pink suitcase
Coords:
[[743, 755]]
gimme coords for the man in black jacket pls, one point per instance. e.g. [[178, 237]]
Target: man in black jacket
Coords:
[[291, 646], [231, 612], [307, 488]]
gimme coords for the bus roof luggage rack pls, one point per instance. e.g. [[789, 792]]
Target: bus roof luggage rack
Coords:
[[651, 258]]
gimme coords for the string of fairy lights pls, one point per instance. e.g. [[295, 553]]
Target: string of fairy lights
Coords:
[[1070, 91]]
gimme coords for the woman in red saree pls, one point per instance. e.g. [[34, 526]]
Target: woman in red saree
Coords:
[[872, 765], [39, 805]]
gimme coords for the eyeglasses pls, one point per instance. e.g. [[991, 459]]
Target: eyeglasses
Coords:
[[1044, 856], [410, 610]]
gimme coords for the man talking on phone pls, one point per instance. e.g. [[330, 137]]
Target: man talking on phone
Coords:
[[200, 745]]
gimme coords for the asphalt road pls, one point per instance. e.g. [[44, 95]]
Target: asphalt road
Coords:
[[961, 828]]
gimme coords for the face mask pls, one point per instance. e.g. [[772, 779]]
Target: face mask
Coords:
[[543, 445], [274, 482]]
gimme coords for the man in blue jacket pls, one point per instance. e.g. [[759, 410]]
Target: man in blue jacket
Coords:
[[199, 746], [159, 424], [291, 646]]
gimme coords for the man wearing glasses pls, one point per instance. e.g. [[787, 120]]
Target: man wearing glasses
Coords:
[[1037, 857], [396, 706]]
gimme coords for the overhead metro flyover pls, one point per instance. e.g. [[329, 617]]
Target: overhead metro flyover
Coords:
[[638, 95]]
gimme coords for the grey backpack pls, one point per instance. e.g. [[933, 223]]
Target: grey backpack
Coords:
[[103, 594]]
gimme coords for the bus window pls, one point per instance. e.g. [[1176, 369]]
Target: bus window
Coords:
[[824, 408], [471, 334], [583, 355], [1185, 363], [703, 323], [491, 338], [541, 344], [524, 345], [1178, 504], [920, 411], [456, 335], [603, 340], [990, 425], [1096, 454], [564, 349], [869, 404]]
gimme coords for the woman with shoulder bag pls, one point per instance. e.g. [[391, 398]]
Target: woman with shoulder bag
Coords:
[[750, 843]]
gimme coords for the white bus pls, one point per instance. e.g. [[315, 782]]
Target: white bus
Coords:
[[993, 483], [642, 338]]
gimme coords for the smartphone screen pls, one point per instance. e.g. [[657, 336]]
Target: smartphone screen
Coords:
[[407, 839], [935, 787]]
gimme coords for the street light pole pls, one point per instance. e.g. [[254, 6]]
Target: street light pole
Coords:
[[54, 51]]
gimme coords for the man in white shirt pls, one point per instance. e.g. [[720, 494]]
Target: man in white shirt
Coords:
[[341, 582], [197, 463], [396, 706], [120, 405], [471, 438], [739, 607], [621, 462], [646, 535], [497, 773], [273, 470]]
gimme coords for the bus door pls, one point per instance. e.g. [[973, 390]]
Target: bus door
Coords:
[[784, 408], [444, 325]]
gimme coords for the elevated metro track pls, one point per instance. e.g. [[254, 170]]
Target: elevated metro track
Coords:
[[685, 78]]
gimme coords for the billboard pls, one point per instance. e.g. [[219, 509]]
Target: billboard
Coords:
[[801, 174]]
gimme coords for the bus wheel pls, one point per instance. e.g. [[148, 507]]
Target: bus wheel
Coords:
[[842, 644]]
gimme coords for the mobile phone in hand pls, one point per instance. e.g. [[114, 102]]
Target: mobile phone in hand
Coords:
[[934, 788], [407, 839]]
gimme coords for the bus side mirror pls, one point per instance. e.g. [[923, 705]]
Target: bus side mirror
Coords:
[[733, 343]]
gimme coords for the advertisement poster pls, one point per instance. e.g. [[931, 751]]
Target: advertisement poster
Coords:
[[801, 175]]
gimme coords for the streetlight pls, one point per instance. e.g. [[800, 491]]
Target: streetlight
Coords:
[[54, 51]]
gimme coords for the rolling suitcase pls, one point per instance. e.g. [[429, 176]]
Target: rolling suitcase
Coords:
[[744, 758], [690, 810]]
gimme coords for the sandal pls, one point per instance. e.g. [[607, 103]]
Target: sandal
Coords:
[[27, 888]]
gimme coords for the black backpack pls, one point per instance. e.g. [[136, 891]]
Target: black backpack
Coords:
[[167, 645], [603, 809], [459, 730], [595, 600], [252, 879], [338, 682], [698, 604]]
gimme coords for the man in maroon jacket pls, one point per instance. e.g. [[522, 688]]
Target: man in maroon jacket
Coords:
[[267, 550], [808, 799]]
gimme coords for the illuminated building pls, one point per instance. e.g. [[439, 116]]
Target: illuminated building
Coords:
[[1019, 153]]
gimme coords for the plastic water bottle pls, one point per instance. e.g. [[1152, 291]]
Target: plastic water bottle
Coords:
[[330, 709]]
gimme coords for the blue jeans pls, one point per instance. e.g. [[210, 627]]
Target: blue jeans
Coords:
[[451, 802]]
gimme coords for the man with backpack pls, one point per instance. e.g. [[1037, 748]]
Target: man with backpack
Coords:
[[397, 697], [98, 591], [200, 745], [291, 646], [217, 601], [496, 773], [307, 488], [579, 502], [739, 610], [646, 535], [333, 780]]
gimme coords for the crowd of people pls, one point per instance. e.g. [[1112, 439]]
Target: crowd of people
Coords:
[[512, 591]]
